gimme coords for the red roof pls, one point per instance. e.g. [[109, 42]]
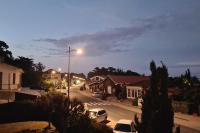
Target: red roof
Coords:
[[128, 79]]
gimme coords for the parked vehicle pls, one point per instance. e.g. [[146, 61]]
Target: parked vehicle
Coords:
[[97, 94], [98, 114], [124, 126]]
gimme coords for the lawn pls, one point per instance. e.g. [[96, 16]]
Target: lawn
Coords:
[[25, 127]]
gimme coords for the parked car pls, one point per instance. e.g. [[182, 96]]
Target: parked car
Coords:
[[98, 114], [97, 94], [124, 126]]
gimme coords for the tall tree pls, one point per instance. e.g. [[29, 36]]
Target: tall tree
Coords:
[[157, 112], [5, 54], [26, 64], [39, 67]]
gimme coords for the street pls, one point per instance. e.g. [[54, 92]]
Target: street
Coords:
[[114, 113]]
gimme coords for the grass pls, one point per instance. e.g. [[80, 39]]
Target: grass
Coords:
[[23, 127]]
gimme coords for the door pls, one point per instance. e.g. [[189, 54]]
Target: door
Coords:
[[109, 90], [1, 78]]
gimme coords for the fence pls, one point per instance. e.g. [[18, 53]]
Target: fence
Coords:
[[185, 107]]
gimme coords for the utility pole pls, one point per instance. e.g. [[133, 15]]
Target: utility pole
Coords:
[[68, 76]]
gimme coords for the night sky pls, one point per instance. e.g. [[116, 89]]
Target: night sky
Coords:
[[125, 34]]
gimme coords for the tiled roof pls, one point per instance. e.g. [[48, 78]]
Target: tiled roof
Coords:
[[10, 67], [128, 79]]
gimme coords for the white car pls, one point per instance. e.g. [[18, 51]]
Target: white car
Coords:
[[98, 114], [124, 126]]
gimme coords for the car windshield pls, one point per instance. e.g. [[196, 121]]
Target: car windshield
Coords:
[[123, 127], [92, 114]]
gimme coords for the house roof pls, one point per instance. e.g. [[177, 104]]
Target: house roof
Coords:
[[102, 76], [10, 67], [49, 71], [127, 79]]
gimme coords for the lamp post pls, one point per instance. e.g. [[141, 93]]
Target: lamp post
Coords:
[[78, 51], [68, 76]]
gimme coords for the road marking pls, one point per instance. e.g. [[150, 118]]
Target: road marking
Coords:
[[97, 103]]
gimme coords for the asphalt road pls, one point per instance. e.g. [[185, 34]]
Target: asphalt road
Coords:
[[114, 113]]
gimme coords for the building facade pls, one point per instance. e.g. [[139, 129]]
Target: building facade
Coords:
[[134, 85], [52, 76], [10, 77]]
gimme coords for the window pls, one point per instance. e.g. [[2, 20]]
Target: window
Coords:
[[101, 112], [123, 127], [136, 95], [14, 78], [129, 93], [133, 93]]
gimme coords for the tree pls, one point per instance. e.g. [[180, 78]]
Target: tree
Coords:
[[157, 112], [5, 54], [25, 63], [68, 115], [32, 76], [110, 71], [39, 67]]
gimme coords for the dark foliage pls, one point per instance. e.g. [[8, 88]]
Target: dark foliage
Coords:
[[110, 71], [21, 111], [5, 54], [66, 115], [120, 92], [157, 112]]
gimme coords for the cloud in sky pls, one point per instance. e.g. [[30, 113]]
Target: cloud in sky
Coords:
[[112, 40], [121, 39], [186, 64]]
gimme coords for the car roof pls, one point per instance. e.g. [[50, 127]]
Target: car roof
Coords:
[[125, 121], [96, 109]]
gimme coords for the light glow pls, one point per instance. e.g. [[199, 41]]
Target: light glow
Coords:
[[79, 51]]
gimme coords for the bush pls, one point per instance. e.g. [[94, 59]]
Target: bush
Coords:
[[85, 125], [66, 115], [120, 92], [135, 102], [104, 97], [21, 111]]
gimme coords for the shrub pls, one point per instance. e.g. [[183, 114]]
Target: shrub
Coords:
[[135, 102], [66, 115], [21, 111]]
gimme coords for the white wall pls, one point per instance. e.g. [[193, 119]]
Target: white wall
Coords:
[[8, 84]]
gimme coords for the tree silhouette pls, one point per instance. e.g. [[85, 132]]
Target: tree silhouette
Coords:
[[5, 54], [157, 112], [110, 71]]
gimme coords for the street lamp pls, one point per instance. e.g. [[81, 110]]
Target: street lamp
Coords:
[[78, 51], [59, 69], [53, 72]]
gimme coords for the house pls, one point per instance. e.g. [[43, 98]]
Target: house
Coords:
[[52, 76], [94, 83], [133, 84], [10, 77], [97, 78]]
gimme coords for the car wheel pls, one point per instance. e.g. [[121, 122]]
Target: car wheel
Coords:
[[105, 118]]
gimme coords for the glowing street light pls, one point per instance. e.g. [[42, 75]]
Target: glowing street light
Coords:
[[53, 72], [59, 69], [79, 51]]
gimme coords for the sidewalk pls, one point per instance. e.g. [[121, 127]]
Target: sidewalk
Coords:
[[179, 118]]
